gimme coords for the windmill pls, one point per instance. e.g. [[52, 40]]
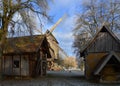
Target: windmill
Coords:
[[54, 45], [54, 48]]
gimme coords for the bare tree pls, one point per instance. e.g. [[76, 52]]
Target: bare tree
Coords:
[[80, 40], [26, 10], [70, 62], [94, 14]]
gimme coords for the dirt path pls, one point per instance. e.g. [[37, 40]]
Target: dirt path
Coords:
[[61, 78]]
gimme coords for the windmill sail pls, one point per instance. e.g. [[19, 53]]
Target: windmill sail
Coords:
[[56, 24], [54, 46], [48, 32]]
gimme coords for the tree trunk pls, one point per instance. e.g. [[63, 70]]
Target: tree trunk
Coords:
[[3, 35]]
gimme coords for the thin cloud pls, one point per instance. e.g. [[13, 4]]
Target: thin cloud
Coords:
[[65, 35], [63, 32]]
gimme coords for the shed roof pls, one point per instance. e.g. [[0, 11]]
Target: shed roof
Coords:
[[104, 61], [23, 44], [104, 28]]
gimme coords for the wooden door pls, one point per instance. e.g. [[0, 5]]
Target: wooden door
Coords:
[[44, 68]]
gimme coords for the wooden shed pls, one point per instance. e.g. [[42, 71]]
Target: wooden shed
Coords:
[[26, 56], [102, 57]]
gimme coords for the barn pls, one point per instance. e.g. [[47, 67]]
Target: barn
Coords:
[[29, 56], [25, 56], [102, 57]]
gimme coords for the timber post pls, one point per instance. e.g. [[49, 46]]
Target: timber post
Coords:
[[1, 75]]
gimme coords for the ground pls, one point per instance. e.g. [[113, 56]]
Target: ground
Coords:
[[56, 78]]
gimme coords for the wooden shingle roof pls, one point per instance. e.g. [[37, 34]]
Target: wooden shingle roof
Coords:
[[23, 44]]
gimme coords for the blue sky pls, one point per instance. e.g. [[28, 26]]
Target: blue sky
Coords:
[[63, 32]]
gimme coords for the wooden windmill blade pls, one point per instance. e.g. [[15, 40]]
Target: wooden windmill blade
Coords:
[[56, 24], [54, 46], [48, 32]]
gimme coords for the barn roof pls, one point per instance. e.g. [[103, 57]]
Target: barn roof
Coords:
[[23, 44], [103, 29], [104, 61]]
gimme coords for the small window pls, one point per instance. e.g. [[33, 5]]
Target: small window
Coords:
[[16, 64]]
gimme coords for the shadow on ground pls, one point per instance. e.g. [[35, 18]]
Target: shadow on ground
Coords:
[[56, 78]]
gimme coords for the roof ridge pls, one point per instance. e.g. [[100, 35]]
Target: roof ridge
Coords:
[[26, 36]]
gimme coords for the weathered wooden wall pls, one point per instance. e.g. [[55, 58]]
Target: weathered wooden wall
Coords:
[[104, 43], [7, 65], [9, 69], [25, 65], [91, 62], [109, 72], [32, 63], [43, 69]]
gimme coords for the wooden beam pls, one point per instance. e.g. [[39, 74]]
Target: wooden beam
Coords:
[[12, 64], [4, 63], [20, 67]]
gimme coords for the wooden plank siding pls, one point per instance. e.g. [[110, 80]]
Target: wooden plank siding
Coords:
[[104, 43], [91, 62], [9, 68]]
